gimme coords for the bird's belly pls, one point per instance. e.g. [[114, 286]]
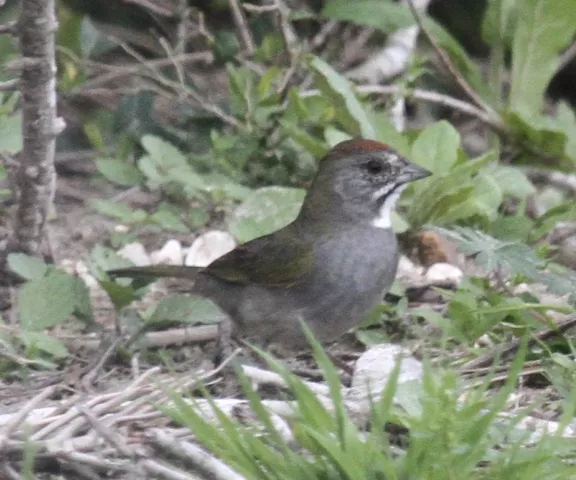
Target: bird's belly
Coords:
[[359, 269]]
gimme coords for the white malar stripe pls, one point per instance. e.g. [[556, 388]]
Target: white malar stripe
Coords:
[[384, 218]]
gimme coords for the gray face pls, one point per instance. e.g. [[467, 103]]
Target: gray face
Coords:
[[358, 185]]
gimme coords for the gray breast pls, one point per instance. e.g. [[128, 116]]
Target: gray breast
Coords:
[[352, 270]]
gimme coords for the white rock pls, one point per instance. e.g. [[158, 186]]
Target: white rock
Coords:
[[121, 228], [371, 374], [407, 269], [136, 253], [444, 272], [84, 273], [208, 247], [169, 254]]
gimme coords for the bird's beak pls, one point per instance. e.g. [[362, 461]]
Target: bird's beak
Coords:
[[411, 172]]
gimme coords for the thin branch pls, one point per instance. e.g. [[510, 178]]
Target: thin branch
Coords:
[[9, 85], [119, 71], [8, 29], [447, 62], [428, 96], [242, 28], [288, 35], [177, 87]]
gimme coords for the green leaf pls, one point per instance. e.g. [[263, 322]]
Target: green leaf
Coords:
[[487, 196], [217, 181], [540, 132], [265, 211], [119, 210], [512, 181], [43, 342], [544, 28], [516, 228], [47, 301], [186, 309], [436, 147], [168, 220], [162, 160], [120, 295], [494, 254], [334, 136], [351, 113], [119, 171], [381, 14], [11, 133], [497, 21], [387, 133], [26, 266], [566, 122], [441, 194]]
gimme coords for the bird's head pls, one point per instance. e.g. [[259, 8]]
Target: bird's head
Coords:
[[360, 181]]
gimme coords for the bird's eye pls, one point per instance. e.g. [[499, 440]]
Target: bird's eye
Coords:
[[374, 167]]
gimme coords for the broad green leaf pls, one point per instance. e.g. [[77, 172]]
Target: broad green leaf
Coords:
[[447, 207], [540, 132], [512, 181], [484, 200], [43, 342], [168, 220], [566, 121], [265, 211], [120, 295], [47, 301], [387, 133], [334, 136], [217, 181], [119, 171], [350, 112], [497, 21], [119, 210], [186, 309], [163, 161], [312, 144], [544, 28], [26, 266], [512, 228], [442, 193], [381, 14], [436, 147]]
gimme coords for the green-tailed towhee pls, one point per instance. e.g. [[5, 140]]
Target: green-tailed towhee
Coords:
[[329, 267]]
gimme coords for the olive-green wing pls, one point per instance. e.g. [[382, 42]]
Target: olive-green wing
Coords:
[[278, 259]]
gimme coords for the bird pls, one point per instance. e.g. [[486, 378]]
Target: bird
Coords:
[[329, 268]]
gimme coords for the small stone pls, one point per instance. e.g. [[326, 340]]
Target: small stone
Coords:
[[121, 228], [84, 273], [136, 253], [408, 270], [444, 272], [208, 247], [169, 254]]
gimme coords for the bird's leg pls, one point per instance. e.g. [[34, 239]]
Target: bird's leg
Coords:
[[224, 346]]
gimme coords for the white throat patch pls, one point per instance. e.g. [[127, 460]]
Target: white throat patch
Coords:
[[384, 218]]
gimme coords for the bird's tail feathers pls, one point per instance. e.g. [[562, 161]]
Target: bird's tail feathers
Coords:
[[156, 271]]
